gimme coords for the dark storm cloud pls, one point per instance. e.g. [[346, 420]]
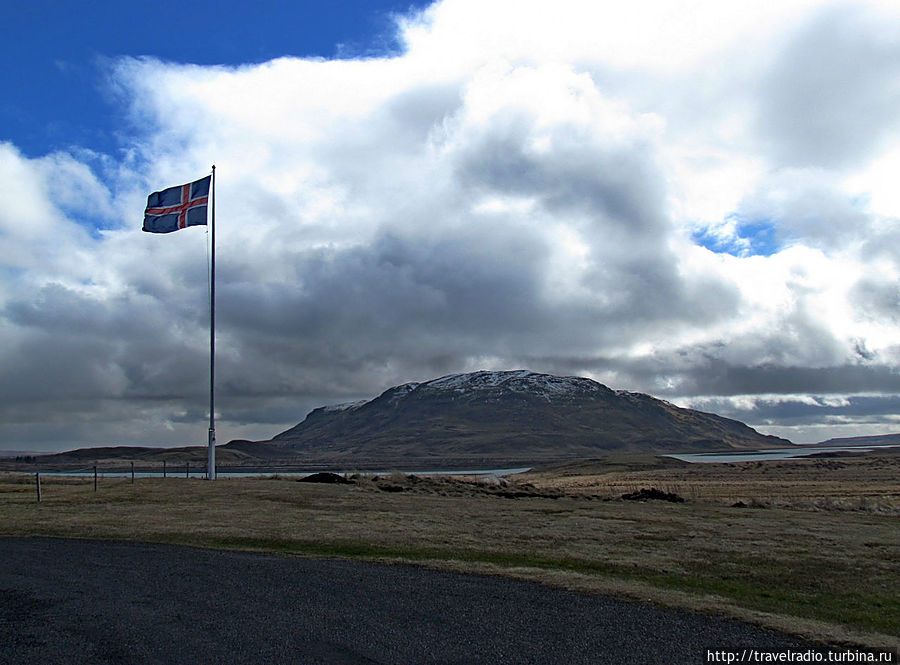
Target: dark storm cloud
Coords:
[[616, 185], [688, 375], [809, 411], [430, 302], [84, 347], [610, 191], [470, 282], [718, 378]]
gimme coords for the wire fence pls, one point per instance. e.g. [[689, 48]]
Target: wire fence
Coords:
[[185, 470]]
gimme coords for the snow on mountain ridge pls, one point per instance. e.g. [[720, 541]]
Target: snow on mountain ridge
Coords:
[[544, 385], [480, 379], [399, 392], [636, 398], [346, 406]]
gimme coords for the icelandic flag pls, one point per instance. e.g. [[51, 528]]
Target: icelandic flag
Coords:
[[177, 207]]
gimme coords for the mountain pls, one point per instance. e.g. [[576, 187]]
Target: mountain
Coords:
[[512, 415]]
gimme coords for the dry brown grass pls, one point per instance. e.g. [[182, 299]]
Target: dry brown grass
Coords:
[[824, 571], [867, 482]]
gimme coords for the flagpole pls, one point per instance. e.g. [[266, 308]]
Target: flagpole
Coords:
[[211, 462]]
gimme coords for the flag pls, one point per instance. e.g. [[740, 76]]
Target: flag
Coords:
[[177, 207]]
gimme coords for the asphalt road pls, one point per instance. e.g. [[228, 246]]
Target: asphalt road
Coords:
[[75, 601]]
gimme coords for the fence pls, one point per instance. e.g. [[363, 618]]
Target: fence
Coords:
[[198, 471]]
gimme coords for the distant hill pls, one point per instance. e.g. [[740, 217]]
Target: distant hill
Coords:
[[141, 454], [877, 440], [513, 415], [238, 454]]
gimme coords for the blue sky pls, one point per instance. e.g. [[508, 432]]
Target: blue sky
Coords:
[[56, 55], [753, 238], [697, 205]]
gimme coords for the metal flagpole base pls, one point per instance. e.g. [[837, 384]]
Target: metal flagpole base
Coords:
[[211, 462]]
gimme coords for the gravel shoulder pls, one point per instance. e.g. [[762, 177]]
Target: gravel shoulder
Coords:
[[97, 602]]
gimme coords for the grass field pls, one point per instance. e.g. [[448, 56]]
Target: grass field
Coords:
[[814, 551]]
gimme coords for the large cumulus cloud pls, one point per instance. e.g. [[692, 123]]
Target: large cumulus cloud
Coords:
[[692, 208]]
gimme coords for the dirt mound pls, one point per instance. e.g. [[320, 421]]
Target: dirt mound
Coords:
[[652, 494], [324, 477]]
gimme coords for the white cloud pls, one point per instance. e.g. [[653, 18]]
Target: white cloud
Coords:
[[646, 34]]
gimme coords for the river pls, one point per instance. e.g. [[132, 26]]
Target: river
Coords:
[[773, 454]]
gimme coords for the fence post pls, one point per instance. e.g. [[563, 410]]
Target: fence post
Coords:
[[187, 470], [132, 473], [37, 484], [164, 468], [95, 477]]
